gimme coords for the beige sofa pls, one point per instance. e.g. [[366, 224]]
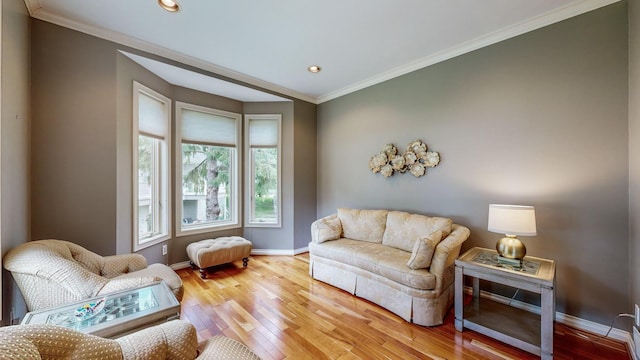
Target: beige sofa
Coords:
[[400, 261]]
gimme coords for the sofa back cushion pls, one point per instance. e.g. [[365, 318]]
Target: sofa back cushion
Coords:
[[363, 225], [404, 229]]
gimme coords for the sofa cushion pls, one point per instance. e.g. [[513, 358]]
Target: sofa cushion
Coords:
[[378, 259], [325, 229], [423, 251], [363, 225], [404, 229]]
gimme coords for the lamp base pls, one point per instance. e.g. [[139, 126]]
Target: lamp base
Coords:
[[510, 247], [516, 263]]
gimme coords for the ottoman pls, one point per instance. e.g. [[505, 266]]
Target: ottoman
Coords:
[[212, 252]]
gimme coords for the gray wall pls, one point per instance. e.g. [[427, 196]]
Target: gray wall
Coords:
[[540, 119], [305, 172], [634, 150], [73, 137], [15, 142]]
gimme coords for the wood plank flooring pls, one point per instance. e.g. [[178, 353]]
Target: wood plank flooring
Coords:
[[278, 311]]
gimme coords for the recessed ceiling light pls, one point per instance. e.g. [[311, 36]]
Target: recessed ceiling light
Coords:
[[314, 69], [169, 5]]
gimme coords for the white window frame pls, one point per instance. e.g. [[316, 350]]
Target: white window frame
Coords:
[[234, 180], [250, 182], [162, 178]]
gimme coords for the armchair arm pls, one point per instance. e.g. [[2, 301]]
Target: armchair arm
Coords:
[[175, 339], [114, 285], [121, 264], [447, 251], [326, 228]]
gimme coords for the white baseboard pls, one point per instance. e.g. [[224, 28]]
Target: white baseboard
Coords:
[[180, 265], [301, 250], [277, 252]]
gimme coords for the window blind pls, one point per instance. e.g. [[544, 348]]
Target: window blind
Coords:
[[151, 116], [201, 127], [263, 133]]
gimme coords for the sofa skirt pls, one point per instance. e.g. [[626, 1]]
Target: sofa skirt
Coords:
[[422, 307]]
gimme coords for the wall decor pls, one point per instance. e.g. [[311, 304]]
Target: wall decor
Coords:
[[416, 159]]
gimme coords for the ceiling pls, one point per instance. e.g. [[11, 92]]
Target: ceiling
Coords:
[[270, 43]]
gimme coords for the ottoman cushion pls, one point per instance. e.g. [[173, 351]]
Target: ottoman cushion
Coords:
[[212, 252]]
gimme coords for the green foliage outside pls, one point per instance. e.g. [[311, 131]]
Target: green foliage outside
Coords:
[[206, 169], [266, 182]]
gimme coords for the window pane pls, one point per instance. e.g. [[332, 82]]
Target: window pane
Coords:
[[206, 185], [265, 185], [147, 186]]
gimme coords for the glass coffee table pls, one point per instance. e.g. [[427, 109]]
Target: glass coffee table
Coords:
[[123, 312]]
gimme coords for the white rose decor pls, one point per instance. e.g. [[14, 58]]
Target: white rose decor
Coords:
[[416, 159]]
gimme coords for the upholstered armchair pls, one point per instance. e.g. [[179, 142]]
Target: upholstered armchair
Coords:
[[55, 272], [176, 340]]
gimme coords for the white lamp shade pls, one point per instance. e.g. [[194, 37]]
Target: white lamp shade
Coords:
[[512, 219]]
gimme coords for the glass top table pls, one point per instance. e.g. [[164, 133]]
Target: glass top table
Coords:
[[123, 311]]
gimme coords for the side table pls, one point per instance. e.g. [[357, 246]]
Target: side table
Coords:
[[124, 311], [526, 330]]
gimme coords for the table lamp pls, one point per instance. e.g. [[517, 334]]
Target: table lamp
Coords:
[[512, 220]]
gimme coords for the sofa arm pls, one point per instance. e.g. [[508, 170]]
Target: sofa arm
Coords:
[[447, 251], [175, 339], [326, 228], [121, 264]]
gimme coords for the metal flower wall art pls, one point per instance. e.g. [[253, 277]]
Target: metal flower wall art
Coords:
[[416, 159]]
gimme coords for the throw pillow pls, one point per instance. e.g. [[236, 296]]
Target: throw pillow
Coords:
[[423, 251], [329, 228]]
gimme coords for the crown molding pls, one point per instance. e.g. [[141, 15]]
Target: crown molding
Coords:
[[37, 12], [33, 6], [563, 13], [566, 12]]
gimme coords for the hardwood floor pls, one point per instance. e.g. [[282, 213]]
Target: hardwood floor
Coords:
[[278, 311]]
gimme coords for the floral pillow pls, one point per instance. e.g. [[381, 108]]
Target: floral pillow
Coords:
[[423, 250]]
